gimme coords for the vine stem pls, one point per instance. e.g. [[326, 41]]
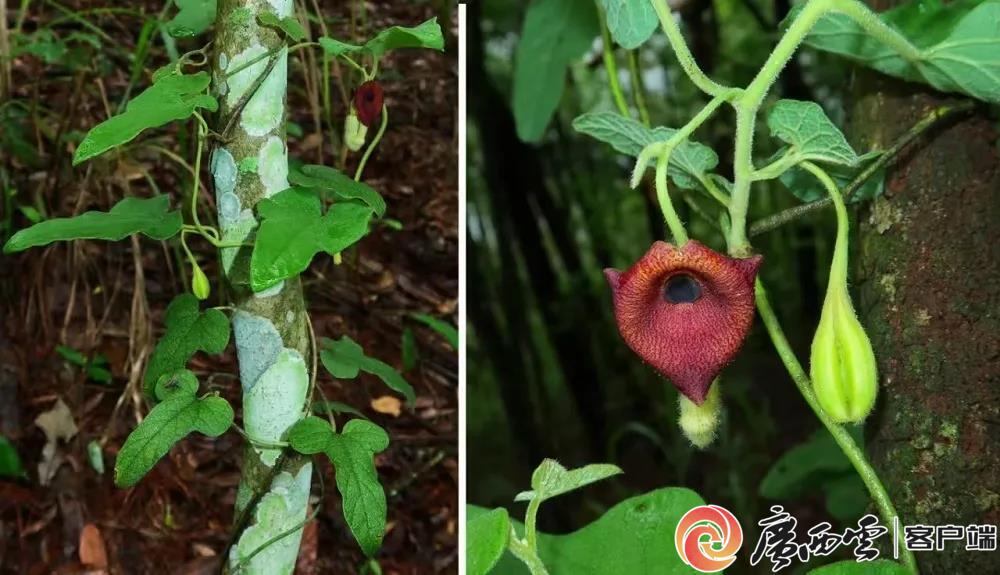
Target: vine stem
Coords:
[[666, 206], [676, 39], [610, 66], [527, 555], [851, 449], [530, 527], [373, 144], [638, 92]]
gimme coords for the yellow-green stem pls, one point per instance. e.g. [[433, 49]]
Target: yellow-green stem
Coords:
[[373, 144], [610, 66]]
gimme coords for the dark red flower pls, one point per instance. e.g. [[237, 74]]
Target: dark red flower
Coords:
[[368, 102], [685, 311]]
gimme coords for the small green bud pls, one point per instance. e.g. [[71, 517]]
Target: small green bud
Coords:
[[842, 363], [199, 283], [354, 132], [700, 422]]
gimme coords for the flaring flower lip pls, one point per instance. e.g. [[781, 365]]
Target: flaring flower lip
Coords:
[[368, 102], [685, 311]]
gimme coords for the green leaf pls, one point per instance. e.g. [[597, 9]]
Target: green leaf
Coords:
[[344, 359], [555, 33], [811, 135], [342, 185], [335, 47], [149, 216], [71, 355], [804, 185], [443, 328], [551, 479], [635, 536], [804, 466], [631, 22], [194, 17], [851, 567], [847, 497], [408, 345], [171, 97], [486, 539], [44, 44], [188, 331], [289, 25], [689, 162], [426, 35], [171, 420], [293, 230], [958, 44], [10, 461], [352, 453]]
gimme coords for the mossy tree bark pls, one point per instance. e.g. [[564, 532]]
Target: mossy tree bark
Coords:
[[929, 297], [271, 327]]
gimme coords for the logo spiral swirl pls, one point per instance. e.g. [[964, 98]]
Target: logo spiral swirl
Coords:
[[708, 537]]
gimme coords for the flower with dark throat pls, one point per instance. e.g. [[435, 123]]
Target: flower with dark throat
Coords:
[[368, 102], [685, 311]]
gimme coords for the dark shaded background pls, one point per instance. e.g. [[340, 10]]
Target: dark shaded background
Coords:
[[108, 299]]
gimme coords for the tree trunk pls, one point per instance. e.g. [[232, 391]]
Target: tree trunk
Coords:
[[270, 327], [929, 293]]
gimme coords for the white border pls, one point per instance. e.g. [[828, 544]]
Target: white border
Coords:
[[462, 302]]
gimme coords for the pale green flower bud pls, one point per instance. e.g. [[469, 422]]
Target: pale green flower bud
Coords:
[[700, 422], [200, 286], [354, 132], [842, 363]]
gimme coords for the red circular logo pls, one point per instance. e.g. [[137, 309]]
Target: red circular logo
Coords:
[[708, 537]]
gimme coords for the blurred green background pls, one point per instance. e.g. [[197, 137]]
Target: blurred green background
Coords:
[[548, 375]]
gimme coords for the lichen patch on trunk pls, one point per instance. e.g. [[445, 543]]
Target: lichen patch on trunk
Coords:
[[280, 510]]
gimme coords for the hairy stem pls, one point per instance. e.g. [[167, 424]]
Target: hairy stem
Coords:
[[854, 453], [526, 554], [673, 32]]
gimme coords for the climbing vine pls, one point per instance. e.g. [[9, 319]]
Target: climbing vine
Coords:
[[273, 220]]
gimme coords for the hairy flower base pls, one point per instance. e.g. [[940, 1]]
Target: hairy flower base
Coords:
[[685, 311]]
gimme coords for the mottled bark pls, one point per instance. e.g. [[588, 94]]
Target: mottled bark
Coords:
[[270, 327], [929, 285]]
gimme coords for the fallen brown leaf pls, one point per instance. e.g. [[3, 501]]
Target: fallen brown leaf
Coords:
[[388, 405]]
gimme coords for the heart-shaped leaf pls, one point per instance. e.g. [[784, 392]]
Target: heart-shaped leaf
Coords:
[[352, 452], [293, 230], [631, 22], [809, 133], [689, 162], [958, 43], [188, 331], [171, 420]]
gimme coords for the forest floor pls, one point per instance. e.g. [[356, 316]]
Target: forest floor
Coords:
[[107, 300]]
